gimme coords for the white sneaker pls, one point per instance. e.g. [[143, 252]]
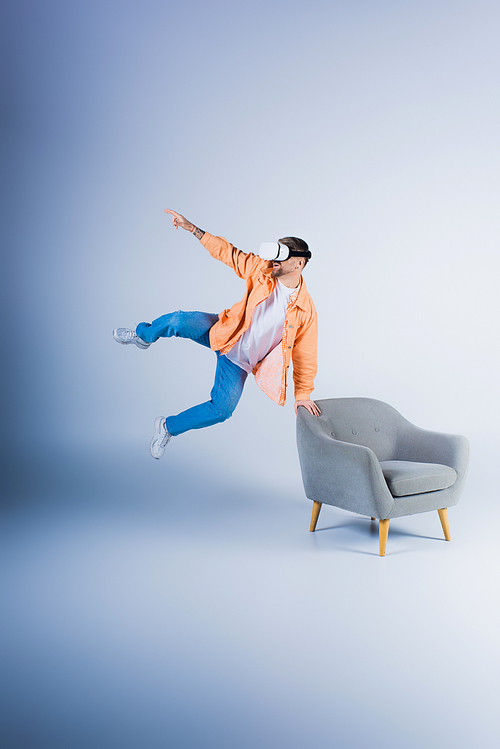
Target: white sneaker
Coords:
[[125, 335], [161, 438]]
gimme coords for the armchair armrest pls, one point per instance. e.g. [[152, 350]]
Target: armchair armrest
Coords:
[[340, 473], [425, 446]]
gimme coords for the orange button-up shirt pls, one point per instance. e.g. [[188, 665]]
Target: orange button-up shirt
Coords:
[[300, 331]]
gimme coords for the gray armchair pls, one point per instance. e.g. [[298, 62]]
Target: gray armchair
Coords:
[[363, 456]]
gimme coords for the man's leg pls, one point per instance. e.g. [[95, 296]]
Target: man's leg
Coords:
[[224, 397], [193, 325], [229, 378], [226, 392]]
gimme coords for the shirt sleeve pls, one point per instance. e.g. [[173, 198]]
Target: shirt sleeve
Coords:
[[244, 264], [305, 358]]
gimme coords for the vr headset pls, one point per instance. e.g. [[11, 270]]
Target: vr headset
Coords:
[[279, 252]]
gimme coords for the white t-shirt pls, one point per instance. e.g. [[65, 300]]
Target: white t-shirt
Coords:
[[265, 331]]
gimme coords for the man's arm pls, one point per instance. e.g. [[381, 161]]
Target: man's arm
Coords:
[[244, 264], [179, 220], [304, 356]]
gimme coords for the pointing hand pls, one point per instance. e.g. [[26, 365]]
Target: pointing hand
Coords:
[[179, 220]]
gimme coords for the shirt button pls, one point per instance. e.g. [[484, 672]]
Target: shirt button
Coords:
[[291, 326], [289, 347]]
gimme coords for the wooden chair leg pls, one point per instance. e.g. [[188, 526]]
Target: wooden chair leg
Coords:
[[443, 516], [315, 515], [383, 532]]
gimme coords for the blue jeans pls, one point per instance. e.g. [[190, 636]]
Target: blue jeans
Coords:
[[229, 378]]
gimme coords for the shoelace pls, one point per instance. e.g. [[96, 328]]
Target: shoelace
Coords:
[[164, 440], [130, 335]]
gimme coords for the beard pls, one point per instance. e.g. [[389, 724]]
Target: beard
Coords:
[[276, 272]]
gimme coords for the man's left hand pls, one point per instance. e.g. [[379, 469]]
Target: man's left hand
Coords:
[[179, 220], [310, 405]]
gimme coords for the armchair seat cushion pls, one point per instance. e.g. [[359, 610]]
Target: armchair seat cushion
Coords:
[[404, 477]]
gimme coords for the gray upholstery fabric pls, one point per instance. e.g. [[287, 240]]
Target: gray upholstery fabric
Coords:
[[405, 477], [341, 452]]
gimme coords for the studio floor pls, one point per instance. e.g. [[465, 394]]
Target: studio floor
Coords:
[[151, 605]]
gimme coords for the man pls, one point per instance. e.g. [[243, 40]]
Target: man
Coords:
[[275, 321]]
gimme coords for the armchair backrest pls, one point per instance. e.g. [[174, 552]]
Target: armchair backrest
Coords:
[[362, 421]]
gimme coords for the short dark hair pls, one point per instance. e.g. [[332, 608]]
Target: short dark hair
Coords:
[[297, 245]]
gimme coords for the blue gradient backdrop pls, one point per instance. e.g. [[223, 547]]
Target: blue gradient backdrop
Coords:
[[183, 603]]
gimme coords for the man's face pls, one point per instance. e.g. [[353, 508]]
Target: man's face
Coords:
[[285, 267]]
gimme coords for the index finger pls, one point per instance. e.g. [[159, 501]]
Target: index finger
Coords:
[[174, 213]]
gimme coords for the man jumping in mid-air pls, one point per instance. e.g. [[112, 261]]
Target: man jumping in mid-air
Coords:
[[275, 321]]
